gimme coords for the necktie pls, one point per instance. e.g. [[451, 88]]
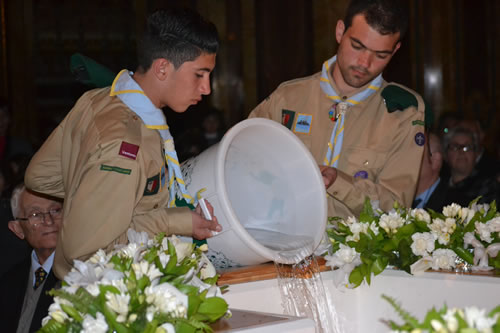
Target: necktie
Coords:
[[335, 144], [134, 97], [40, 276]]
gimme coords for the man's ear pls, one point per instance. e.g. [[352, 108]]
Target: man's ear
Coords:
[[398, 45], [339, 30], [161, 67], [15, 227]]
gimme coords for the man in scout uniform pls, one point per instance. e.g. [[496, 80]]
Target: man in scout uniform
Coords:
[[366, 134], [113, 159]]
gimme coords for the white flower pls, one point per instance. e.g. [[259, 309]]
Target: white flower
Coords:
[[56, 312], [94, 325], [484, 232], [476, 318], [423, 243], [132, 250], [207, 269], [443, 229], [82, 273], [467, 214], [119, 304], [143, 268], [437, 326], [451, 320], [140, 238], [344, 255], [357, 228], [167, 299], [391, 222], [183, 249], [204, 248], [443, 259], [164, 258], [451, 210], [374, 228], [350, 220], [93, 289], [167, 327], [99, 257], [421, 215], [494, 224]]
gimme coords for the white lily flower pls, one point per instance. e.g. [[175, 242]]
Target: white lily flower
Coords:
[[423, 243], [143, 268], [99, 257], [467, 214], [443, 259], [140, 238], [374, 228], [93, 289], [94, 325], [452, 210], [119, 304], [82, 273]]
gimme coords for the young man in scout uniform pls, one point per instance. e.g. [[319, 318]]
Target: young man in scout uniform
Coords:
[[366, 134], [113, 159]]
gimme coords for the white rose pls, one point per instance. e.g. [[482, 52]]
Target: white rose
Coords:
[[423, 243], [443, 259]]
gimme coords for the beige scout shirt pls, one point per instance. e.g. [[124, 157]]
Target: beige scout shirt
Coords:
[[107, 187], [385, 146]]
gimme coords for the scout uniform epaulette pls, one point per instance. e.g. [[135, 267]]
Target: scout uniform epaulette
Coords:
[[398, 98]]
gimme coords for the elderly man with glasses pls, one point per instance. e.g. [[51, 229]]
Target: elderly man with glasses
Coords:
[[466, 182], [24, 301]]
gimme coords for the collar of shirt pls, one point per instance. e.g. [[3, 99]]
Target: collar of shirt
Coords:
[[425, 196], [47, 265]]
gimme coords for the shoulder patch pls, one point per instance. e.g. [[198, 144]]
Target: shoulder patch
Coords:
[[129, 150], [287, 118], [397, 98]]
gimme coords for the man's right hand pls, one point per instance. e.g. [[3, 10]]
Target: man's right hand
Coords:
[[203, 228]]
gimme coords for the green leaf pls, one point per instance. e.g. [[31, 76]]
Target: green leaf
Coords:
[[356, 277], [379, 265], [464, 254], [194, 302], [213, 308], [406, 316], [71, 311]]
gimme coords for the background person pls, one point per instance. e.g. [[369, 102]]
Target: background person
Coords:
[[366, 134], [112, 158], [465, 182], [24, 302]]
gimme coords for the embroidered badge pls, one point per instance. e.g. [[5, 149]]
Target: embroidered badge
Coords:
[[303, 124], [420, 138], [361, 174], [105, 167], [287, 118], [129, 150], [418, 122], [152, 185]]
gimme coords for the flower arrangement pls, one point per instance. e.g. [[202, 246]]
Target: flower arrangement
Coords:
[[445, 320], [150, 285], [413, 240]]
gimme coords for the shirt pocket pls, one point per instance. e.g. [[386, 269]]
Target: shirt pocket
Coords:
[[362, 163]]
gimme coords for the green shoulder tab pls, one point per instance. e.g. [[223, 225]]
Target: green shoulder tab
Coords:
[[429, 116], [397, 98]]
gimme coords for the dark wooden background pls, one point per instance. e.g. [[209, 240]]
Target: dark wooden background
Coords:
[[450, 54]]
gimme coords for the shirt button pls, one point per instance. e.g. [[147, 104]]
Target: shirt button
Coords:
[[335, 193], [134, 117], [365, 163], [155, 206]]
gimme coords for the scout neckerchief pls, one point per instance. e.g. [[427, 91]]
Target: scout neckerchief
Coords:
[[130, 93], [338, 110]]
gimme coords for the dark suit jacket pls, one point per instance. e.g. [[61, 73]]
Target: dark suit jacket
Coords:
[[437, 200], [12, 290]]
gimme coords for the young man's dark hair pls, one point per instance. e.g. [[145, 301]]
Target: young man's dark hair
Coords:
[[178, 35], [385, 16]]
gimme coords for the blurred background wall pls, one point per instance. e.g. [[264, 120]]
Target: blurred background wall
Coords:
[[450, 54]]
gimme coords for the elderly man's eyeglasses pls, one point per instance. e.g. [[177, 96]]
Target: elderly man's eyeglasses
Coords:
[[37, 218], [465, 148]]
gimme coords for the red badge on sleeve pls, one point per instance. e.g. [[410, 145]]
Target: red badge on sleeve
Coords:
[[129, 150]]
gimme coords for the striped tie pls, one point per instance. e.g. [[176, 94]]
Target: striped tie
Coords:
[[130, 93], [337, 137]]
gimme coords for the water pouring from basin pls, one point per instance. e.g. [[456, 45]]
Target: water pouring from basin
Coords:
[[267, 192]]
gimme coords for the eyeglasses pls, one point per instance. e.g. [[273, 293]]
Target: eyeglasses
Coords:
[[465, 148], [37, 218]]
